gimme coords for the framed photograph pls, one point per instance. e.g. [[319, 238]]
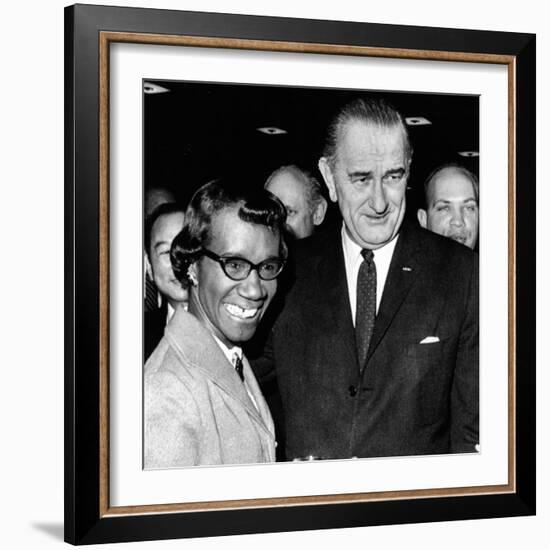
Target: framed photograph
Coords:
[[169, 100]]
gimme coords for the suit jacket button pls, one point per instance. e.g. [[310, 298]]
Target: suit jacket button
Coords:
[[352, 391]]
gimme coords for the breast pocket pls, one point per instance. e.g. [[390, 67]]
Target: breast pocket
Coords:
[[431, 369]]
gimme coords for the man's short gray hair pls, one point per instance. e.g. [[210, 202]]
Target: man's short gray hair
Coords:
[[370, 111]]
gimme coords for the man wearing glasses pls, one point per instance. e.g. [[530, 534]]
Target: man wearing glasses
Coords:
[[202, 402]]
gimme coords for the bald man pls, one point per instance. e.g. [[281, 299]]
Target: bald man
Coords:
[[300, 192], [451, 195]]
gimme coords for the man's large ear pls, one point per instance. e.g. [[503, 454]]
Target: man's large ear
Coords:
[[148, 268], [422, 216], [320, 211], [326, 172]]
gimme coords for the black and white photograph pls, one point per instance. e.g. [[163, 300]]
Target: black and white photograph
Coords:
[[305, 288], [310, 274]]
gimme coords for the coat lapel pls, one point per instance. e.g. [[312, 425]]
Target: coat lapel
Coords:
[[404, 268], [335, 295], [202, 352]]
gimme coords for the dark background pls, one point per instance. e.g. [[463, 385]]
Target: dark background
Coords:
[[199, 131]]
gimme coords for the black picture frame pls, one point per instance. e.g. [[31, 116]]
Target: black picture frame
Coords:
[[88, 30]]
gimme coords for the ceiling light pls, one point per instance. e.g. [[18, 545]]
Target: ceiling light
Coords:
[[417, 121], [271, 130], [469, 154], [150, 88]]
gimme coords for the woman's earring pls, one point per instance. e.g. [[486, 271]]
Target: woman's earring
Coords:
[[192, 277]]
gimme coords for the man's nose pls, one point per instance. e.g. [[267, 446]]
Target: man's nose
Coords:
[[457, 217], [252, 287], [378, 200]]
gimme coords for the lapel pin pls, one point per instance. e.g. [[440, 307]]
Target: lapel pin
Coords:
[[406, 268]]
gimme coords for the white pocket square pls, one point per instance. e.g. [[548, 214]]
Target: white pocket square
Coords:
[[430, 340]]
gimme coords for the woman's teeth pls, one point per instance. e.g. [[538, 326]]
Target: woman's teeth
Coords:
[[240, 312]]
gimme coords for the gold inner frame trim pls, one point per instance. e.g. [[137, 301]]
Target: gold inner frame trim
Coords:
[[105, 39]]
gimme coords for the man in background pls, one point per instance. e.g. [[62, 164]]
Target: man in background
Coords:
[[300, 192], [153, 197], [451, 195], [160, 229]]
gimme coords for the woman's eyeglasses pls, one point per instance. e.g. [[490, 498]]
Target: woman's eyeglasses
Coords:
[[239, 269]]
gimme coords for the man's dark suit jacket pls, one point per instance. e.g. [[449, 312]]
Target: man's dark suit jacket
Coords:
[[410, 398]]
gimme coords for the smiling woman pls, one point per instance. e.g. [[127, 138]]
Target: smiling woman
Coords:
[[202, 402]]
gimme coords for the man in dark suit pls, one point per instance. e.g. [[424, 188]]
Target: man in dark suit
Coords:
[[153, 198], [376, 347], [162, 225]]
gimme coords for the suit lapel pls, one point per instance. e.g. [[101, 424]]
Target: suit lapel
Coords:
[[404, 268], [334, 285]]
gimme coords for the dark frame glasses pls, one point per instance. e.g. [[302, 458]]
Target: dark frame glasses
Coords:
[[238, 269]]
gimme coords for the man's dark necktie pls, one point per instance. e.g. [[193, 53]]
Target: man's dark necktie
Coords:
[[365, 312], [239, 366]]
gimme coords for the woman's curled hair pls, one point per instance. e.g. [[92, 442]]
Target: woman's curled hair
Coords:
[[256, 206]]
